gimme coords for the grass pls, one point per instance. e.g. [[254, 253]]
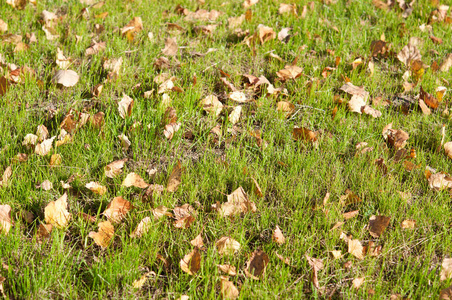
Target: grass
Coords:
[[294, 175]]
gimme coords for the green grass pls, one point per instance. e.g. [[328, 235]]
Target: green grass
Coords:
[[294, 175]]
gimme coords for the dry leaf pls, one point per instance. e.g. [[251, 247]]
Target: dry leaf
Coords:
[[170, 47], [377, 225], [248, 3], [356, 249], [349, 198], [286, 107], [105, 234], [95, 48], [448, 149], [238, 96], [445, 294], [257, 188], [43, 231], [446, 269], [235, 22], [198, 242], [316, 264], [142, 228], [304, 134], [228, 269], [114, 168], [170, 130], [350, 214], [125, 106], [6, 176], [408, 224], [62, 61], [278, 236], [424, 108], [56, 212], [228, 289], [184, 222], [175, 178], [289, 72], [191, 263], [446, 64], [133, 179], [55, 160], [117, 209], [356, 103], [161, 211], [439, 181], [212, 105], [5, 218], [429, 99], [284, 35], [266, 33], [66, 78], [408, 54], [368, 110], [256, 265], [395, 138], [30, 140], [96, 188], [3, 26], [234, 116], [237, 203], [44, 147], [227, 246], [46, 185], [357, 282], [287, 8], [135, 25], [336, 254], [354, 90]]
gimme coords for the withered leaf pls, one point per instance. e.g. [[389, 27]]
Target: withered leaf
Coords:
[[133, 179], [377, 225], [96, 188], [228, 269], [446, 269], [117, 209], [105, 234], [5, 218], [408, 224], [114, 168], [238, 202], [256, 265], [191, 263], [175, 178], [170, 47], [56, 212], [227, 289], [429, 99], [304, 134], [278, 236], [125, 106], [356, 248], [227, 245], [142, 227], [408, 54], [289, 72]]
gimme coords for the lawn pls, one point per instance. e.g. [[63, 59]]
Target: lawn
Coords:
[[257, 149]]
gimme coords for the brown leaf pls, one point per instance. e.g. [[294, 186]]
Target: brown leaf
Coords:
[[228, 269], [142, 228], [424, 108], [349, 198], [170, 130], [287, 8], [289, 72], [256, 265], [135, 25], [96, 188], [227, 246], [212, 105], [429, 99], [356, 104], [350, 214], [191, 263], [368, 110], [95, 48], [105, 234], [125, 106], [238, 202], [66, 78], [408, 54], [235, 22], [198, 242], [356, 248], [228, 289], [114, 168], [286, 107], [446, 64], [408, 224], [170, 47], [3, 26], [56, 212], [184, 222], [304, 134], [5, 218], [278, 236], [439, 181], [395, 138], [357, 282], [284, 35], [43, 231], [257, 188], [133, 179], [377, 225], [238, 96], [117, 209], [448, 149], [248, 3], [354, 90], [175, 178], [161, 211], [446, 269]]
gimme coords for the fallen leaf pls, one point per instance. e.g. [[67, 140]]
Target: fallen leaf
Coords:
[[212, 105], [356, 249], [175, 178], [228, 289], [228, 269], [191, 263], [105, 234], [429, 99], [66, 78], [368, 110], [356, 104], [43, 231], [337, 254], [95, 48], [377, 225], [316, 264], [286, 107], [44, 147], [6, 176], [448, 149], [170, 47], [354, 90], [248, 3], [125, 106], [46, 185], [133, 179], [170, 130], [284, 35], [114, 168], [142, 228], [161, 211], [424, 108], [234, 22], [440, 181], [135, 25], [350, 214], [287, 8], [234, 116], [446, 269], [278, 236], [184, 222], [304, 134], [408, 224], [357, 282], [238, 96], [227, 246], [289, 72], [198, 242], [117, 209], [237, 203], [408, 54], [256, 265], [96, 188], [3, 26], [56, 212], [257, 188], [5, 219], [349, 198], [395, 138]]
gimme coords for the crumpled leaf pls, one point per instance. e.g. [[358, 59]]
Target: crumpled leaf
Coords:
[[395, 138], [175, 178], [234, 116], [227, 289], [227, 246], [408, 224], [125, 106], [170, 47], [429, 99], [284, 35], [408, 54], [440, 181], [266, 33], [133, 179], [287, 8], [114, 168], [248, 3], [237, 203], [278, 236], [304, 134], [95, 48], [354, 90], [256, 265], [289, 72], [142, 228], [357, 282], [135, 25], [96, 188], [117, 209], [104, 235], [66, 78], [228, 269], [239, 97], [6, 176], [198, 242], [56, 213], [377, 225], [5, 218], [191, 263], [356, 248], [446, 269], [62, 61], [44, 147], [212, 105]]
